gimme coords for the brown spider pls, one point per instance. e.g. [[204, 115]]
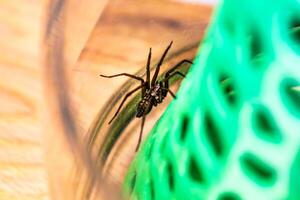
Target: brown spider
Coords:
[[152, 93]]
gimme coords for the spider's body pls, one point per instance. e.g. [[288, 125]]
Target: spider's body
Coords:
[[153, 91], [153, 96]]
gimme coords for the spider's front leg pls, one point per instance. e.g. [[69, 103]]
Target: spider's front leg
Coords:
[[153, 81], [124, 74], [169, 74]]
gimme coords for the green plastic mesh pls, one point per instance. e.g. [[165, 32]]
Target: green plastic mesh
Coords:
[[234, 130]]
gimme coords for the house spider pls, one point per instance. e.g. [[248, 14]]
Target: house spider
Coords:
[[153, 91]]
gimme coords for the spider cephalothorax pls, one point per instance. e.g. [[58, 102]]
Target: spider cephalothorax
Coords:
[[153, 96], [153, 91]]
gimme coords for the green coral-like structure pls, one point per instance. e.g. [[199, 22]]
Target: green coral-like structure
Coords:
[[234, 130]]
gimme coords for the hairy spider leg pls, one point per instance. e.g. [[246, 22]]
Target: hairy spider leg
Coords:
[[168, 90], [169, 73], [177, 65], [148, 68], [125, 74], [173, 74], [148, 86], [129, 93], [125, 98], [160, 63], [141, 133]]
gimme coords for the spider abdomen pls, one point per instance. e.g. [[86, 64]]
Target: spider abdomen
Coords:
[[153, 97], [144, 106]]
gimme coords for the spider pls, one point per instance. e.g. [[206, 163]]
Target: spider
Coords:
[[153, 91]]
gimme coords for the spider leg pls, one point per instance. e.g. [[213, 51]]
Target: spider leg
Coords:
[[125, 98], [124, 74], [165, 81], [173, 74], [172, 94], [160, 63], [148, 68], [144, 86], [141, 133], [169, 73], [176, 66]]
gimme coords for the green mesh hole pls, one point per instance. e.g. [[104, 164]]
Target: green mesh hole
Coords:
[[170, 176], [228, 89], [256, 47], [132, 183], [264, 125], [291, 28], [290, 93], [213, 135], [195, 172], [229, 196], [163, 144], [260, 55], [184, 127], [294, 178], [152, 190], [257, 170], [295, 28]]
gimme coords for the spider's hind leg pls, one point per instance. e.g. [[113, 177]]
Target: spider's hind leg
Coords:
[[142, 86], [141, 133]]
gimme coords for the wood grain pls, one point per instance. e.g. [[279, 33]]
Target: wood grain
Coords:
[[23, 171], [117, 41], [22, 168], [120, 43]]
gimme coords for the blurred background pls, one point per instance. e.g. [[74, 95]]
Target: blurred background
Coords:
[[79, 39]]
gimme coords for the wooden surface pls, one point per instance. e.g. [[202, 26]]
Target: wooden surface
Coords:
[[23, 172], [22, 168], [119, 43]]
